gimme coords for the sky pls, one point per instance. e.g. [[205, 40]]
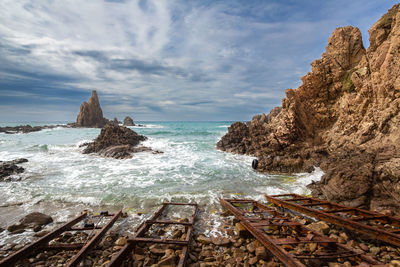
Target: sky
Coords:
[[156, 60]]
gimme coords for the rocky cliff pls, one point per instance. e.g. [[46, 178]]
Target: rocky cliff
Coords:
[[344, 118], [91, 114]]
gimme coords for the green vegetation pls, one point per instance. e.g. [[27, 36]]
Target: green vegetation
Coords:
[[348, 85]]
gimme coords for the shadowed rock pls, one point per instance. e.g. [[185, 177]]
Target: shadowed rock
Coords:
[[8, 168], [117, 142], [128, 121], [90, 114]]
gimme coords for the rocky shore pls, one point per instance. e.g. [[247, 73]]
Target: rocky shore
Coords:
[[232, 246], [345, 118]]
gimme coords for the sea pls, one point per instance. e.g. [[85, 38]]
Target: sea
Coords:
[[61, 181]]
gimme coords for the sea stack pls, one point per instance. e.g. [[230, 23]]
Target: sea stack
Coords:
[[128, 121], [90, 114], [345, 118]]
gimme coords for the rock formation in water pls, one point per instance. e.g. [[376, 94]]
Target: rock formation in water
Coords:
[[8, 168], [128, 121], [345, 118], [117, 142], [29, 129], [90, 114]]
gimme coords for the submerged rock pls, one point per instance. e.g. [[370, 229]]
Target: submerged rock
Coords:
[[28, 128], [8, 168], [118, 142], [345, 118], [128, 121], [91, 114]]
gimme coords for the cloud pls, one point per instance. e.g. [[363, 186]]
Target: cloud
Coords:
[[164, 60]]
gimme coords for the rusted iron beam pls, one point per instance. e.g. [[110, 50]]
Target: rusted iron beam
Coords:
[[29, 249], [145, 226], [348, 223], [302, 235], [275, 224], [338, 210], [297, 199], [280, 253], [289, 241], [93, 241], [84, 228], [315, 204], [369, 218]]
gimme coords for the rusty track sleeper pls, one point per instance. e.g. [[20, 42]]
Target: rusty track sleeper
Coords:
[[352, 224]]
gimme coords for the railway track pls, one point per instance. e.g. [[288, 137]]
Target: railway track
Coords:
[[291, 242], [372, 224], [45, 243]]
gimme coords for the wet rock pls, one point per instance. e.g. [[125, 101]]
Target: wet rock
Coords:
[[128, 121], [18, 231], [116, 141], [16, 227], [36, 219], [221, 241], [8, 168]]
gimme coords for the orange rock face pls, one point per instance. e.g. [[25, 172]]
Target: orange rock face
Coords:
[[90, 114], [345, 118]]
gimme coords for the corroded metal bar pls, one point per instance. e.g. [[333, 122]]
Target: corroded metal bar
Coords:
[[29, 249], [84, 228], [348, 223], [157, 240], [145, 226], [81, 254], [303, 235], [280, 253]]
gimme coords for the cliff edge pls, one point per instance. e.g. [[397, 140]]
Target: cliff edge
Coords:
[[344, 118]]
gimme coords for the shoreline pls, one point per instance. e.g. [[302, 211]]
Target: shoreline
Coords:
[[224, 247]]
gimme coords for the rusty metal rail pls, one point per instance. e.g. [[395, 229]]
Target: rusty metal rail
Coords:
[[42, 244], [139, 236], [263, 222], [384, 228]]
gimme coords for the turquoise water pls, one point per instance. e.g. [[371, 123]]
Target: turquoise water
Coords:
[[190, 169]]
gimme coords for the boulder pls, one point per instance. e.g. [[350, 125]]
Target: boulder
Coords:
[[128, 121], [91, 114], [345, 118], [36, 219], [8, 168]]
